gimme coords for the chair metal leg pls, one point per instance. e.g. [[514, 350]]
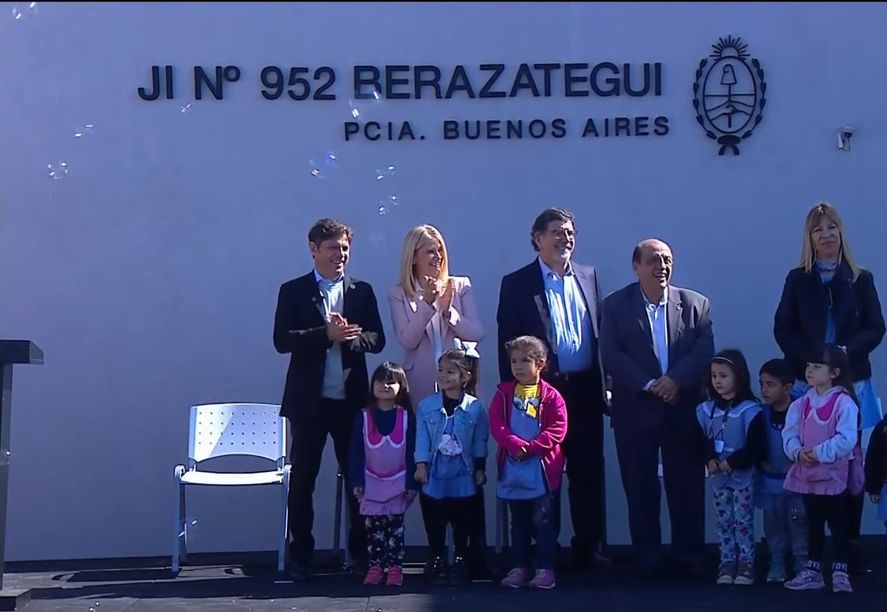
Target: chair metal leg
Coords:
[[501, 525], [184, 523], [349, 562], [337, 520], [179, 528], [604, 501], [499, 504], [284, 502], [177, 533], [451, 554]]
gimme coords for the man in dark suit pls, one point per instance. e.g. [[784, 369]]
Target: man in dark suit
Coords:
[[558, 301], [656, 341], [327, 321]]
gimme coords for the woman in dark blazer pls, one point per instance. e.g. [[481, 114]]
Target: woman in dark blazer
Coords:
[[829, 298]]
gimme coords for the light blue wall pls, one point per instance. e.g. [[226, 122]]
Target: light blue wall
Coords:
[[149, 272]]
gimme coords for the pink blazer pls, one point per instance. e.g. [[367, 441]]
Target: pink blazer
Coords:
[[412, 323]]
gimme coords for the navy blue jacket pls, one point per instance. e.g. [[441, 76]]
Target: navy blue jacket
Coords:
[[300, 330], [523, 311], [800, 320]]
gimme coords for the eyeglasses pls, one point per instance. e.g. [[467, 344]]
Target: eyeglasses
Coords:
[[562, 233]]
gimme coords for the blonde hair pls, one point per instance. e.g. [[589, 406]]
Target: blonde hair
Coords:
[[808, 252], [417, 238]]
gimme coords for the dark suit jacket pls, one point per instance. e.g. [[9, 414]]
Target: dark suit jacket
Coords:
[[799, 323], [300, 329], [629, 357], [523, 311]]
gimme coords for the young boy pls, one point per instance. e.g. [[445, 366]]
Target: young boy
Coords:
[[784, 518], [876, 469]]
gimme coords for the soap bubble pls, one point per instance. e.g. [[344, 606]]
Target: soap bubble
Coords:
[[18, 13], [83, 131], [388, 204], [58, 170], [315, 170], [386, 172]]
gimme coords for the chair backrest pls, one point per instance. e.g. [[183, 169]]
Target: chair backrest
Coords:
[[218, 430]]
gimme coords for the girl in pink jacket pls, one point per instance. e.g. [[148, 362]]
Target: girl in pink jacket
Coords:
[[528, 420]]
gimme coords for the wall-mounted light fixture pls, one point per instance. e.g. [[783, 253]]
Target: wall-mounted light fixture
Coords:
[[844, 136]]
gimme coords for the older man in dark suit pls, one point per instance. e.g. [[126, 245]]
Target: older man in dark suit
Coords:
[[656, 342], [327, 321], [558, 301]]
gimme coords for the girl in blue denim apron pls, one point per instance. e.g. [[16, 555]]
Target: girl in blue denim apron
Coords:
[[451, 452]]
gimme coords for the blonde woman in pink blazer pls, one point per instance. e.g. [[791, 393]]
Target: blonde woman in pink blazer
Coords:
[[430, 308]]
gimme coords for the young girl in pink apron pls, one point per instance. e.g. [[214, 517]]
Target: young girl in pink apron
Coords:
[[821, 437], [381, 471]]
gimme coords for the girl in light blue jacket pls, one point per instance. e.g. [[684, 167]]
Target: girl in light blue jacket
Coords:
[[451, 450]]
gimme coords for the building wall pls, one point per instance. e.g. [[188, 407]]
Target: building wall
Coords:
[[149, 271]]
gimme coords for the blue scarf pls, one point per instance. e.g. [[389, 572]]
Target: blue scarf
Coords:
[[826, 269]]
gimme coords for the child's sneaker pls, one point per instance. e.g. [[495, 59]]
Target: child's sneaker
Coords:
[[439, 571], [841, 583], [726, 573], [374, 575], [459, 572], [807, 579], [516, 578], [744, 575], [776, 573], [544, 579], [395, 576]]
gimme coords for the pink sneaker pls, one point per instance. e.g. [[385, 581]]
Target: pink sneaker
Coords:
[[374, 575], [544, 579], [395, 576], [516, 578], [841, 583], [807, 580]]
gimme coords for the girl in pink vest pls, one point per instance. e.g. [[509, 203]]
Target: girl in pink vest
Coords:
[[381, 470], [820, 435]]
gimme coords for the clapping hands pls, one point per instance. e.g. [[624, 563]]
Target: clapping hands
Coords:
[[339, 330]]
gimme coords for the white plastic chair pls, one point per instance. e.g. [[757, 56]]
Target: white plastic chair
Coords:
[[219, 430]]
